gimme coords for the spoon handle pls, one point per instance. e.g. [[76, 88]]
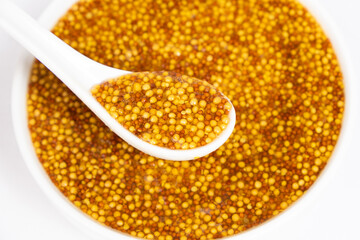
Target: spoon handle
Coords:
[[78, 72]]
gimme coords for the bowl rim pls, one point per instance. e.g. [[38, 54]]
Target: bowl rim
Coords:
[[19, 115]]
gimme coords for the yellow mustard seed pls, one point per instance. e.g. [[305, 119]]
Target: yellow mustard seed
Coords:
[[274, 63], [210, 109]]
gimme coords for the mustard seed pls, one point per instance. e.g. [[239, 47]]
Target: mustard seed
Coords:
[[177, 117], [270, 58]]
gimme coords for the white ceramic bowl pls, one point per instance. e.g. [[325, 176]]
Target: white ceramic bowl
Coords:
[[90, 226]]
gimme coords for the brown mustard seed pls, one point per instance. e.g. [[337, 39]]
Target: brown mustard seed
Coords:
[[166, 109], [270, 58]]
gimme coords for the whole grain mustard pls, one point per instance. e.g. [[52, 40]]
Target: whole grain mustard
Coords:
[[270, 58], [165, 108]]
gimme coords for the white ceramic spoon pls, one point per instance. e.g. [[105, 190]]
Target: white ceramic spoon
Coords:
[[81, 74]]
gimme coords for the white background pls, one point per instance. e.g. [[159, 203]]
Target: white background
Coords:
[[26, 213]]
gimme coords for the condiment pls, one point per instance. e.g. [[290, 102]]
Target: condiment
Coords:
[[270, 58], [166, 109]]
